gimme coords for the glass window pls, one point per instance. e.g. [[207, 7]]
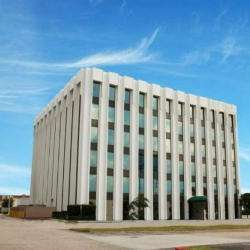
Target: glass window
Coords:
[[93, 158], [204, 170], [155, 164], [167, 106], [155, 103], [181, 188], [126, 162], [141, 186], [203, 151], [126, 117], [235, 189], [203, 132], [214, 171], [111, 93], [179, 109], [234, 173], [155, 186], [125, 185], [141, 163], [141, 120], [180, 128], [96, 89], [110, 137], [111, 114], [232, 152], [213, 153], [155, 123], [192, 152], [215, 189], [223, 154], [141, 100], [221, 119], [92, 183], [141, 141], [191, 112], [126, 139], [110, 184], [181, 168], [192, 168], [224, 172], [169, 187], [169, 170], [95, 111], [212, 116], [168, 129], [231, 121], [127, 96], [232, 138], [155, 143], [223, 136], [202, 114], [94, 134], [191, 130], [213, 134], [110, 160], [193, 188], [225, 189], [180, 145], [168, 145]]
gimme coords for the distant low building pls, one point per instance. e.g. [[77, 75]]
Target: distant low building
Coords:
[[15, 198]]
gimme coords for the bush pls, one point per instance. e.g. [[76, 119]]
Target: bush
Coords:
[[5, 212], [63, 215], [81, 212], [88, 212], [74, 210]]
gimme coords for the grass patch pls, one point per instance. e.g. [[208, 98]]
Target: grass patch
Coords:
[[202, 248], [169, 228]]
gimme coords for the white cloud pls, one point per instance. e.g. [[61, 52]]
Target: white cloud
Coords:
[[95, 2], [138, 54], [196, 57], [245, 154], [219, 18], [196, 23], [14, 171], [124, 3]]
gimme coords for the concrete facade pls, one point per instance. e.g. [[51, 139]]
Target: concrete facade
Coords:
[[107, 139]]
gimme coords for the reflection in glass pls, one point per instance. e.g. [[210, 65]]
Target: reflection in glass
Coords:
[[93, 158], [125, 185], [126, 139], [180, 146], [155, 104], [169, 187], [191, 112], [203, 151], [141, 186], [155, 143], [168, 145], [181, 188], [214, 171], [179, 109], [192, 152], [155, 123], [110, 184], [94, 111], [169, 170], [111, 93], [193, 168], [141, 163], [111, 114], [213, 134], [141, 141], [110, 160], [126, 162], [181, 168], [92, 183], [204, 170], [110, 137], [155, 164], [96, 88], [126, 117], [94, 134], [168, 129], [155, 186], [141, 120], [180, 128], [141, 100], [167, 106], [191, 130], [203, 132], [127, 97]]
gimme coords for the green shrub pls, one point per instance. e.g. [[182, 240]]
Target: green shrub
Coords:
[[74, 210], [63, 215], [5, 212], [81, 212], [88, 212]]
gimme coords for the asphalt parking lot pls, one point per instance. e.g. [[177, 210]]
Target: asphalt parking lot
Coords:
[[52, 234]]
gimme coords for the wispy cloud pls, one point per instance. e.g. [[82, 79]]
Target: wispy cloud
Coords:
[[138, 54], [196, 57], [95, 2], [196, 24], [218, 19], [124, 3], [245, 154]]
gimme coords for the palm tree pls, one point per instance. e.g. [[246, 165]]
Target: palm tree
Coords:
[[139, 203]]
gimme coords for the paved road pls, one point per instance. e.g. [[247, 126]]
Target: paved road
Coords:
[[50, 234]]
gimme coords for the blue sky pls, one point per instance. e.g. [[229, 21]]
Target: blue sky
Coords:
[[199, 47]]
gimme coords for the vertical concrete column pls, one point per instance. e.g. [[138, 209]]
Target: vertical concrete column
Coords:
[[134, 121], [175, 160], [162, 156], [209, 164], [187, 156], [86, 79], [231, 213], [118, 168], [34, 166], [101, 192], [148, 137], [220, 180]]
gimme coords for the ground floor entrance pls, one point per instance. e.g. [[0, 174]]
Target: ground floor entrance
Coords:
[[197, 208]]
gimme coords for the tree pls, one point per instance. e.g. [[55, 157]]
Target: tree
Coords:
[[138, 203], [5, 202], [245, 202]]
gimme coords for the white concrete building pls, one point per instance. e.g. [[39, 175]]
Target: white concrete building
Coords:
[[107, 139]]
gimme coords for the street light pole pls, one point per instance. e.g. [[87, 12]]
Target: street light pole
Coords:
[[9, 206]]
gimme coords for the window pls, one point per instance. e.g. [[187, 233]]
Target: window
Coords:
[[168, 163], [141, 186], [167, 106], [224, 172], [192, 152], [110, 160], [155, 143], [193, 188], [94, 134], [155, 123], [111, 93], [235, 189], [168, 129], [141, 163], [204, 170], [180, 128], [180, 146], [225, 189], [213, 153], [181, 188], [169, 187], [141, 141], [141, 100], [181, 168], [95, 111], [212, 116], [221, 119], [214, 171], [203, 132], [126, 139], [126, 162], [110, 137], [231, 121], [213, 134], [127, 97], [155, 103], [202, 114], [92, 183], [223, 136], [232, 152], [203, 151], [93, 158], [191, 112], [126, 117], [215, 189], [155, 186], [232, 138], [234, 172], [111, 114], [223, 154], [179, 109], [192, 168], [125, 185], [141, 120], [110, 184], [155, 164], [96, 89], [191, 130], [168, 146]]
